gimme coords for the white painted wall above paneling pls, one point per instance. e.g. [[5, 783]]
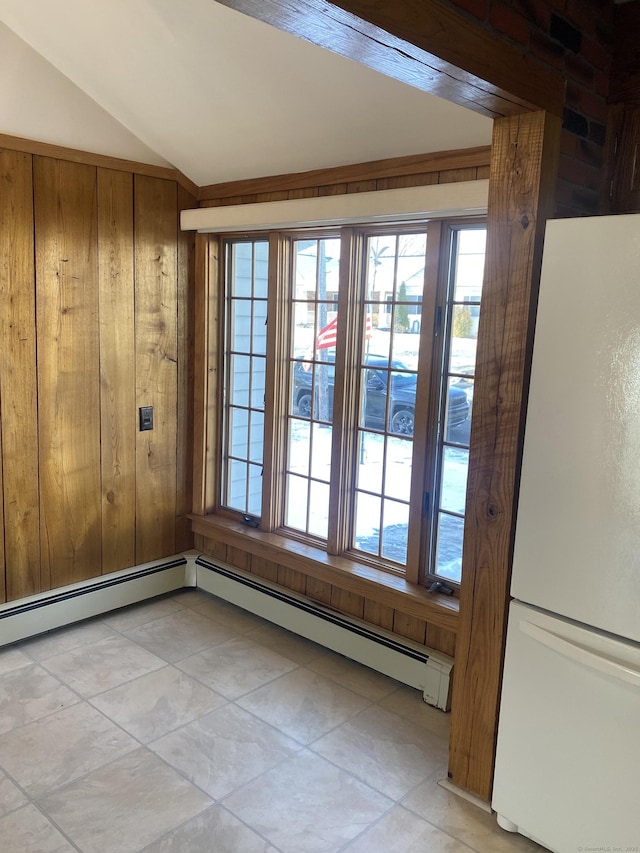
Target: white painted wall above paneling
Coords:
[[38, 102], [220, 95]]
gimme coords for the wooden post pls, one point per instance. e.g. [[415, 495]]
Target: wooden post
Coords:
[[523, 171]]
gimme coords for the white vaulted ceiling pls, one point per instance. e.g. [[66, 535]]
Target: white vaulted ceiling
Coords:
[[212, 92]]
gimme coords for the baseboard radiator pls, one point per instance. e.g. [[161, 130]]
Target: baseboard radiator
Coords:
[[66, 605], [409, 663]]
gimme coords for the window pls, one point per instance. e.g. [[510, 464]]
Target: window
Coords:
[[348, 364]]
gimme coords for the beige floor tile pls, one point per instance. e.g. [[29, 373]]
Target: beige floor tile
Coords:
[[408, 703], [51, 752], [303, 704], [389, 753], [28, 831], [401, 831], [66, 639], [157, 703], [233, 617], [461, 819], [213, 831], [224, 749], [11, 797], [236, 667], [130, 617], [124, 806], [285, 643], [190, 597], [97, 667], [29, 693], [368, 683], [179, 635], [12, 658], [307, 805]]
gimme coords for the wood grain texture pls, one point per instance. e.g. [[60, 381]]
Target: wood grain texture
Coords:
[[306, 184], [74, 155], [206, 375], [185, 389], [264, 568], [117, 368], [318, 591], [18, 382], [378, 614], [68, 369], [424, 43], [156, 293], [441, 640], [523, 172], [347, 602], [410, 627], [291, 579]]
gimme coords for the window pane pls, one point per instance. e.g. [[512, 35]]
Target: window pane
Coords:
[[239, 379], [395, 531], [246, 267], [398, 468], [297, 501], [238, 432], [367, 532], [454, 479], [319, 509], [449, 547], [370, 462], [299, 447], [321, 452]]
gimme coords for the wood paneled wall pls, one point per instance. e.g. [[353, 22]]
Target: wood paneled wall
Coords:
[[96, 315]]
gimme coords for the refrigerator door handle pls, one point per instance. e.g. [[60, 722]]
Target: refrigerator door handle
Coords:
[[579, 654]]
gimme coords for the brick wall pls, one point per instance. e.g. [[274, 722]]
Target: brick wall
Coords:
[[574, 37]]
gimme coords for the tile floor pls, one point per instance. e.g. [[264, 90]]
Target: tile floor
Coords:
[[185, 725]]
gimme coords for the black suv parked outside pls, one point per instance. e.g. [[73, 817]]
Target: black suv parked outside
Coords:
[[402, 394]]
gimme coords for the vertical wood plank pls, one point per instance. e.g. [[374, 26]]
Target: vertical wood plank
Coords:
[[20, 545], [291, 579], [217, 550], [318, 591], [378, 614], [264, 568], [523, 170], [185, 338], [441, 640], [238, 558], [156, 293], [410, 627], [347, 602], [68, 369], [117, 368]]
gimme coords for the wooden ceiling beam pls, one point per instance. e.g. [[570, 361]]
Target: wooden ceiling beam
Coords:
[[425, 44]]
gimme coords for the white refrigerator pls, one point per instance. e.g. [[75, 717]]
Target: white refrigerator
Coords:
[[568, 753]]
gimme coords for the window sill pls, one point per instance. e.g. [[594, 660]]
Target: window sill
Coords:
[[359, 578]]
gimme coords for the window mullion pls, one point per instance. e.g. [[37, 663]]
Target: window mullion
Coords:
[[276, 382], [345, 401]]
